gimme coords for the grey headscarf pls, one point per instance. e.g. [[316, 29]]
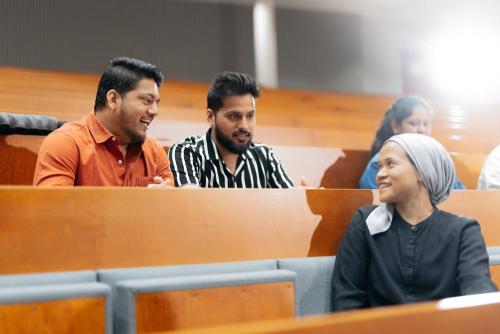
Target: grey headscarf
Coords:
[[434, 165]]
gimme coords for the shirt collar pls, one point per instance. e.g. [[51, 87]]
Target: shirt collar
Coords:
[[419, 225], [97, 129], [380, 219], [247, 153], [102, 135], [213, 151]]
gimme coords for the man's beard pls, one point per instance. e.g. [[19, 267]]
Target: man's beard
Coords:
[[230, 144], [135, 138]]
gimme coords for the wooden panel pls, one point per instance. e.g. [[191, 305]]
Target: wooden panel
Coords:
[[323, 167], [495, 274], [214, 306], [82, 315], [101, 227], [309, 163], [482, 205], [87, 228], [19, 154], [347, 171], [468, 167], [476, 315]]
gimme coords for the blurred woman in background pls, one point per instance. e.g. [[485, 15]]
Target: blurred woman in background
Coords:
[[409, 114]]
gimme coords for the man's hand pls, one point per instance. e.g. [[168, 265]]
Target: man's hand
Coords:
[[158, 182], [305, 185]]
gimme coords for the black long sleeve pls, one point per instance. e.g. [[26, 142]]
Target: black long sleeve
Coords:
[[351, 263], [473, 265]]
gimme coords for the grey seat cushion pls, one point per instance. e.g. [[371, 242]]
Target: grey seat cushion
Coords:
[[113, 276], [313, 285], [125, 310], [27, 124], [41, 293], [84, 276]]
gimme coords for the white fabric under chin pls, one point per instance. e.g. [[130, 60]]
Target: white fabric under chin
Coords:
[[379, 220]]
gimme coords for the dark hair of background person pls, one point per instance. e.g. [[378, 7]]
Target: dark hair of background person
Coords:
[[400, 110], [230, 84], [122, 75]]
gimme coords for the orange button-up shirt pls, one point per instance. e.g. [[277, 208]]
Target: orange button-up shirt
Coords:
[[85, 153]]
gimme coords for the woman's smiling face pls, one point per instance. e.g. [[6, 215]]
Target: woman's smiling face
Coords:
[[397, 178]]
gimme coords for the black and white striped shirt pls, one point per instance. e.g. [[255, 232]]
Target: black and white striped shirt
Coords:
[[197, 161]]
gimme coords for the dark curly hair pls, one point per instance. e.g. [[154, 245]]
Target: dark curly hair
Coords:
[[230, 84], [400, 110]]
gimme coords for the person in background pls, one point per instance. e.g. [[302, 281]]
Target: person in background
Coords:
[[490, 173], [409, 114], [406, 249]]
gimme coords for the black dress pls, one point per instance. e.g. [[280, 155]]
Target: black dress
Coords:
[[442, 256]]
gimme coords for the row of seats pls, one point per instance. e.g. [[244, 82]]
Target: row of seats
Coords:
[[155, 299], [147, 299], [333, 168], [175, 297], [344, 121], [337, 168], [69, 96], [88, 228]]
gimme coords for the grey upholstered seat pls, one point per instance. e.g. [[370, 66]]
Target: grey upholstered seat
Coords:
[[125, 307], [84, 276], [313, 285]]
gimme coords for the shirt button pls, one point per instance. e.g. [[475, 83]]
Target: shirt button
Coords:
[[113, 138], [414, 228], [120, 162]]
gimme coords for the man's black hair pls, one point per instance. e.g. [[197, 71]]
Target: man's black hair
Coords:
[[122, 75], [230, 84]]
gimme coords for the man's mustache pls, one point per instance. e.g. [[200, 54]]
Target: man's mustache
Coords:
[[242, 132]]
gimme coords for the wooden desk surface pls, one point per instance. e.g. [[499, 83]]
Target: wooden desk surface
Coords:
[[461, 315]]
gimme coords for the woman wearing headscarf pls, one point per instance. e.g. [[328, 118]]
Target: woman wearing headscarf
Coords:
[[408, 114], [406, 249]]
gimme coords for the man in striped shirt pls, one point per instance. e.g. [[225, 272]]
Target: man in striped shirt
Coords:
[[226, 157]]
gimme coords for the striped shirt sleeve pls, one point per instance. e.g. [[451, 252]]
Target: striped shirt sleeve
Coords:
[[277, 176], [183, 164]]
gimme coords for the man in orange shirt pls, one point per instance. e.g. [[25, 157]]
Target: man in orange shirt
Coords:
[[109, 147]]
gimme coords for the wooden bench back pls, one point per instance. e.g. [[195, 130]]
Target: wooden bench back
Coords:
[[75, 315], [62, 229]]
